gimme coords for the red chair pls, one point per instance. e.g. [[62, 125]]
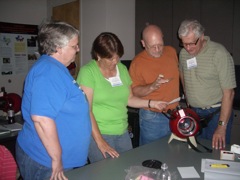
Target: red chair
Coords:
[[8, 166]]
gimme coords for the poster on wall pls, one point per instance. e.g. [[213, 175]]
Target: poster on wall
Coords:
[[18, 48]]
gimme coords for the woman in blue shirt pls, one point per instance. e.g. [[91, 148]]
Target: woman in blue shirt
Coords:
[[57, 128]]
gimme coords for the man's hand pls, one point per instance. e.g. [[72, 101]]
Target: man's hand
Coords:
[[218, 140], [157, 83]]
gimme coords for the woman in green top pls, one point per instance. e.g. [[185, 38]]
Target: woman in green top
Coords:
[[107, 85]]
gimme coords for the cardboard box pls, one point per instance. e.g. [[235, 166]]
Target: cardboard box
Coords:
[[220, 170]]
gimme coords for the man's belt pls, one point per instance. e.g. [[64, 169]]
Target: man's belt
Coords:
[[213, 106]]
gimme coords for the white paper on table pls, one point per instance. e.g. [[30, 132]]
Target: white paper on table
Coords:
[[188, 172]]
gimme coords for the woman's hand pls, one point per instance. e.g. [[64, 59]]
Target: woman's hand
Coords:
[[106, 149], [57, 171], [160, 105]]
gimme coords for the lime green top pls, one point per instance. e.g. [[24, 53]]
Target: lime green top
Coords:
[[109, 104]]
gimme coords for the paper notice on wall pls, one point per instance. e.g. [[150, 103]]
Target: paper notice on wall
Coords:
[[18, 47]]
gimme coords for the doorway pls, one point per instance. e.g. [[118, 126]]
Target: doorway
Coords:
[[70, 13]]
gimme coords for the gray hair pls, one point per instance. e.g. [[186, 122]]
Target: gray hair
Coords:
[[188, 26], [55, 35]]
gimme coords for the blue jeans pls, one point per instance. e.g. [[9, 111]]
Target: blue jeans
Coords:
[[207, 132], [153, 125], [120, 143], [30, 169]]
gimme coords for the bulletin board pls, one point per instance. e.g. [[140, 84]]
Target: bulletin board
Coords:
[[18, 48]]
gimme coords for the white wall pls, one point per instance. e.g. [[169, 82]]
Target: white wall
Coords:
[[116, 16], [23, 12]]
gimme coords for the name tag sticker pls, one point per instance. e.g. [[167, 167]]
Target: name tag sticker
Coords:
[[115, 81], [192, 63]]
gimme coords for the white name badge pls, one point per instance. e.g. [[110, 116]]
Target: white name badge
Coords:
[[115, 81], [192, 63]]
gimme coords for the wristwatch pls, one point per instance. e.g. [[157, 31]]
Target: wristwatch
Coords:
[[222, 123]]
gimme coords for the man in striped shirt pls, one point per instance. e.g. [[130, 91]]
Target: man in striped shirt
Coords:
[[208, 78]]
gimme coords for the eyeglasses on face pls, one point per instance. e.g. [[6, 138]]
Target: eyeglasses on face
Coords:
[[153, 47], [76, 47], [189, 44]]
